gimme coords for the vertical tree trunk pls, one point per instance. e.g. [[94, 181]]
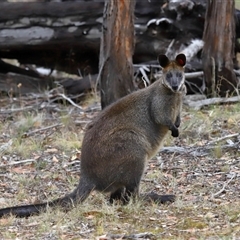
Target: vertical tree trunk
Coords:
[[218, 51], [117, 46]]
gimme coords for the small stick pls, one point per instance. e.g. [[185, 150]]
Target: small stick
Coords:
[[224, 186], [70, 101], [17, 162], [5, 146], [223, 138], [27, 134], [197, 105], [16, 110], [131, 236]]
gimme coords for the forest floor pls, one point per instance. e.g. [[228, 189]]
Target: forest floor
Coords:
[[40, 152]]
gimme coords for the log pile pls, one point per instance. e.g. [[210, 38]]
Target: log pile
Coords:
[[66, 36]]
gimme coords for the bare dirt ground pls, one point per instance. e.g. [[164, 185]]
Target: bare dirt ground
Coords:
[[40, 147]]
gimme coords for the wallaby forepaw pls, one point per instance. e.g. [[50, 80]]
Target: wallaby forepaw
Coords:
[[178, 122], [175, 133]]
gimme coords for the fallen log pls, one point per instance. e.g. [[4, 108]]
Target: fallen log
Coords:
[[17, 84], [63, 36], [66, 36], [197, 105]]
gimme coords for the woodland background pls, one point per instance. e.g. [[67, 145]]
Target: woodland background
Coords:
[[43, 119]]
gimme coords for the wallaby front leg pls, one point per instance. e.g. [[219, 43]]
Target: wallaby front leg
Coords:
[[178, 121]]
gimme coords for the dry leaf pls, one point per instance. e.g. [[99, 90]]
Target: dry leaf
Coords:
[[51, 150], [23, 169], [54, 159]]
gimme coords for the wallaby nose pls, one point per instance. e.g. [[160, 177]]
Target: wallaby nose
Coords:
[[175, 88]]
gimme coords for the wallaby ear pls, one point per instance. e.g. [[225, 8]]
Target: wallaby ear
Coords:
[[181, 59], [163, 60]]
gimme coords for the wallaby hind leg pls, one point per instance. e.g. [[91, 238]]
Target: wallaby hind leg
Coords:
[[159, 198], [132, 191], [125, 194], [117, 195]]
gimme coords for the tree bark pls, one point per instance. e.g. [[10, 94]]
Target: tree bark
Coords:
[[52, 35], [218, 52], [116, 51]]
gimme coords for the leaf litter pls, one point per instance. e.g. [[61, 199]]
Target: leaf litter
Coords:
[[40, 160]]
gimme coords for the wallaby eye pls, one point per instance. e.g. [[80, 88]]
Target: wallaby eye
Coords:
[[169, 75], [179, 74]]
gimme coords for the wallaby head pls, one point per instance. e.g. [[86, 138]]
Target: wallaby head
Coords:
[[173, 71]]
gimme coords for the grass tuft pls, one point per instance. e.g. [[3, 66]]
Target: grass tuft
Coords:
[[53, 170]]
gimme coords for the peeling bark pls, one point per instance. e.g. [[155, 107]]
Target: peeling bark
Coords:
[[218, 52], [117, 47]]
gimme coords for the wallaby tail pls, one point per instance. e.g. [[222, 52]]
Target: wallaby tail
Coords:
[[24, 211], [66, 203]]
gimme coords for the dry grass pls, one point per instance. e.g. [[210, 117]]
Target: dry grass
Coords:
[[237, 4], [53, 168]]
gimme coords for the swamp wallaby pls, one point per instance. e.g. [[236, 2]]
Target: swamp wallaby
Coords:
[[120, 140]]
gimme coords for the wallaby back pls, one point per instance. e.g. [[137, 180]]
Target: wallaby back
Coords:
[[120, 140]]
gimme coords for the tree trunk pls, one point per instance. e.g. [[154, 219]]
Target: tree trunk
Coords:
[[117, 46], [218, 52]]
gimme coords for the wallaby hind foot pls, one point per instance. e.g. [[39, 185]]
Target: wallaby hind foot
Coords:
[[123, 195], [154, 197]]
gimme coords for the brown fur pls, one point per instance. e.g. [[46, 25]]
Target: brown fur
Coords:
[[120, 140]]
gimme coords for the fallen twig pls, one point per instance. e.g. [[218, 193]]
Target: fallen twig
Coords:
[[197, 105], [70, 101], [193, 74], [5, 146], [199, 151], [144, 75], [224, 186], [223, 138], [145, 235], [17, 110], [27, 134], [17, 162]]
